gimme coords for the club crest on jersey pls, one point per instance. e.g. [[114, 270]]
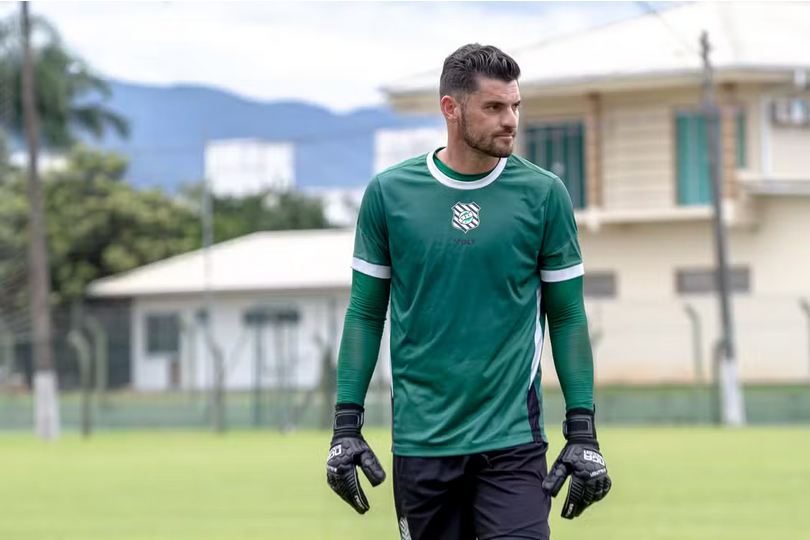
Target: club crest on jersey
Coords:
[[465, 216]]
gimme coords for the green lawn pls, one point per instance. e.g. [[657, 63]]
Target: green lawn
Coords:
[[669, 483]]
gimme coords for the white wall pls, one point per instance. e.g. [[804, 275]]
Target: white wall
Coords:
[[244, 167], [646, 332], [790, 150], [392, 146], [788, 116], [150, 372]]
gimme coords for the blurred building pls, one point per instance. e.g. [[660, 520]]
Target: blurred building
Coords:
[[615, 112], [391, 146], [277, 303], [247, 166], [46, 161], [340, 205]]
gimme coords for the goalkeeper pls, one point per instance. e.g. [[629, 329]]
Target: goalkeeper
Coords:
[[476, 248]]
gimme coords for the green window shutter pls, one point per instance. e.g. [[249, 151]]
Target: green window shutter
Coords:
[[742, 156], [560, 148], [694, 175]]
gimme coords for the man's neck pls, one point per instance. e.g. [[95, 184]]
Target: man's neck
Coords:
[[465, 160]]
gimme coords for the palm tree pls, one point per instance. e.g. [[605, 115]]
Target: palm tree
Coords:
[[69, 95], [47, 96]]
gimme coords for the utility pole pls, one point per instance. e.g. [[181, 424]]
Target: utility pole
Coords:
[[214, 351], [46, 408], [733, 409]]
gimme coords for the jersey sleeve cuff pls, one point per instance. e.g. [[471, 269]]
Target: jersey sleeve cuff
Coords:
[[553, 276], [373, 270]]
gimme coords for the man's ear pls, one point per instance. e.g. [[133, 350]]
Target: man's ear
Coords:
[[451, 108]]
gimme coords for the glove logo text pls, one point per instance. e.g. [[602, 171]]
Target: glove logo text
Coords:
[[334, 452], [590, 455]]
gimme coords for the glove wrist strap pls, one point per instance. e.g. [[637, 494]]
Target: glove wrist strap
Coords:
[[348, 419], [579, 425]]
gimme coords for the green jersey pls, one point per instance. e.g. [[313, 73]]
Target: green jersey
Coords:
[[466, 259]]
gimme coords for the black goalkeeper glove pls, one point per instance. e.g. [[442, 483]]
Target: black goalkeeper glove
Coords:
[[581, 459], [348, 451]]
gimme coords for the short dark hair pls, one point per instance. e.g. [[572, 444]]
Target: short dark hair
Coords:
[[461, 69]]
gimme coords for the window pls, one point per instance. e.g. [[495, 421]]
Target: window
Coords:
[[272, 315], [162, 333], [791, 111], [694, 174], [701, 281], [600, 284], [560, 149], [741, 126]]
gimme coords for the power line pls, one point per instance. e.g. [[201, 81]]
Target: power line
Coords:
[[685, 42]]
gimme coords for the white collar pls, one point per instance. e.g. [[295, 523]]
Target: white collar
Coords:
[[458, 184]]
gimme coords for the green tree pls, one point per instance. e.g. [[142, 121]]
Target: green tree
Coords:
[[236, 216], [97, 223], [69, 95]]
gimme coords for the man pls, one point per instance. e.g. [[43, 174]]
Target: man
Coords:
[[476, 247]]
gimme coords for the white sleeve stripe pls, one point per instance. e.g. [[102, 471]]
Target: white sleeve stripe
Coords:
[[551, 276], [373, 270]]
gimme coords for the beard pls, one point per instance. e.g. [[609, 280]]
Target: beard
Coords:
[[486, 143]]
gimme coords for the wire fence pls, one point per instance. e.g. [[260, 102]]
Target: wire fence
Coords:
[[654, 364]]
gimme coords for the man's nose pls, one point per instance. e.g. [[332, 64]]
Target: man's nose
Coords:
[[510, 120]]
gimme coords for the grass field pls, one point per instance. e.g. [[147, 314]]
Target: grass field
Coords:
[[670, 483]]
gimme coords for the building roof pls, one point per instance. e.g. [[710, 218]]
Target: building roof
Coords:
[[745, 37], [277, 261]]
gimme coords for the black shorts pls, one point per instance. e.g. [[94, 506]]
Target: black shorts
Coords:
[[486, 496]]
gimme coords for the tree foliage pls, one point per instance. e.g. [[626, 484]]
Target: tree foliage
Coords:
[[70, 96], [99, 225]]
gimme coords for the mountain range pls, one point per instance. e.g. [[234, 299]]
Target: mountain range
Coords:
[[170, 126]]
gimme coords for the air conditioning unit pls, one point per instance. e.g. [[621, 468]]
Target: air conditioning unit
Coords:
[[791, 111]]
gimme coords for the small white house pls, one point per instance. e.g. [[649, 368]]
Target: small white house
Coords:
[[296, 283]]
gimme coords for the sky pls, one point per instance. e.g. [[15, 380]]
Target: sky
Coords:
[[336, 54]]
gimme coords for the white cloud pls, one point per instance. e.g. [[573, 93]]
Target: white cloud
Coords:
[[337, 54]]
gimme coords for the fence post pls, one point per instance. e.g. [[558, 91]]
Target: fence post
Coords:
[[284, 321], [595, 326], [84, 356], [697, 341], [189, 352], [7, 346], [805, 306], [258, 321], [216, 355], [329, 366], [717, 357], [100, 346]]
